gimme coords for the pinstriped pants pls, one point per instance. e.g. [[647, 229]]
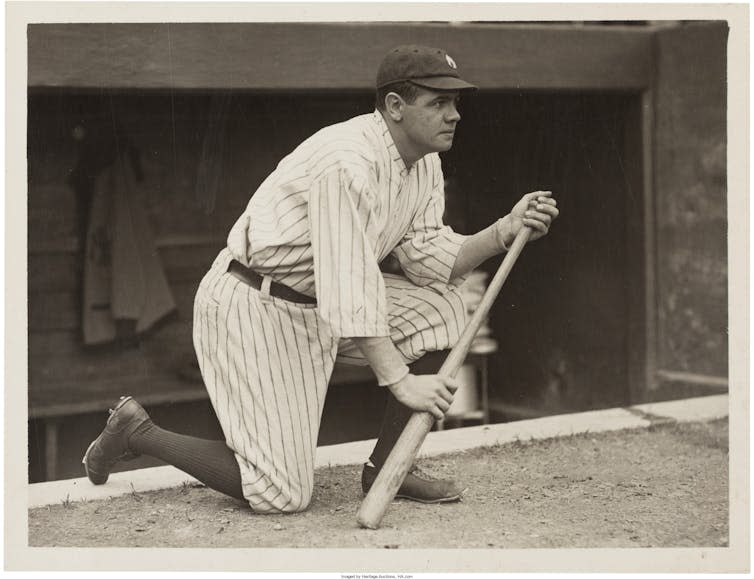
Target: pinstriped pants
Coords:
[[266, 364]]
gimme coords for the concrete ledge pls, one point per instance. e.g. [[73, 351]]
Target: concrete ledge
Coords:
[[640, 416], [119, 483], [689, 410]]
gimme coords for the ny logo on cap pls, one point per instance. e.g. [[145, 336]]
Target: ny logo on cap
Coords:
[[451, 62]]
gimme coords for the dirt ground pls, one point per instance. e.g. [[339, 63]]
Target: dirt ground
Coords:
[[662, 487]]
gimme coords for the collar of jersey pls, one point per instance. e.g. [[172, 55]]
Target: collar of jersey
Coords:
[[392, 150]]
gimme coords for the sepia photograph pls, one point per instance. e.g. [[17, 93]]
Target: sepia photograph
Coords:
[[334, 290]]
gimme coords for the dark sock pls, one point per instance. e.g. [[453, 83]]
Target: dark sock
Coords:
[[209, 461], [393, 423]]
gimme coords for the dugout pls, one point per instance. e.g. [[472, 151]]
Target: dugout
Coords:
[[624, 302]]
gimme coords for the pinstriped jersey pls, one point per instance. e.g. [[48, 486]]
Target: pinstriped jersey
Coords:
[[334, 208]]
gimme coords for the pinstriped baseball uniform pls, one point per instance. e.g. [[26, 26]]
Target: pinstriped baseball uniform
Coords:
[[321, 223]]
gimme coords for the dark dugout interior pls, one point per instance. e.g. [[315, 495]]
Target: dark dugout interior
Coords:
[[568, 316]]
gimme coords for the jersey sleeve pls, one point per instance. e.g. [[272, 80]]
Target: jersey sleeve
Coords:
[[429, 249], [349, 285]]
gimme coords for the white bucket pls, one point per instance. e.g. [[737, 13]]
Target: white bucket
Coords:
[[465, 399]]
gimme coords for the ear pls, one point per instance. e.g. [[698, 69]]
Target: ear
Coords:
[[394, 104]]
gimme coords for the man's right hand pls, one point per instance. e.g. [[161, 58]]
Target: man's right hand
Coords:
[[426, 393]]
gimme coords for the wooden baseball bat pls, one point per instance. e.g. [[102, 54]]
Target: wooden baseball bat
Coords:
[[392, 473]]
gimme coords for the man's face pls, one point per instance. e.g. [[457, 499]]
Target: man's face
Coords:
[[430, 122]]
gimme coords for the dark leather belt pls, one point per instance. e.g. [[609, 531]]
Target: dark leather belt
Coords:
[[278, 290]]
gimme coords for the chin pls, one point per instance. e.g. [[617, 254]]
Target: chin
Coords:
[[444, 146]]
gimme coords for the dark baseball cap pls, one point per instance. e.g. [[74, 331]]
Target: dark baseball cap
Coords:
[[422, 65]]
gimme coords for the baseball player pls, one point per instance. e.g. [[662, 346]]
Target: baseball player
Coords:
[[300, 286]]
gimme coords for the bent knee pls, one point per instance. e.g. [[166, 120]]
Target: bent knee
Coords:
[[297, 506], [284, 501]]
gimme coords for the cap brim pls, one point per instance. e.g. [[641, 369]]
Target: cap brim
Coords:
[[444, 83]]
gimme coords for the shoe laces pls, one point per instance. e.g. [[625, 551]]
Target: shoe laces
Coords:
[[417, 471], [112, 410]]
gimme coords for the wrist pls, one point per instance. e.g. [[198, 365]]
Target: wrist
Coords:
[[504, 232], [396, 386]]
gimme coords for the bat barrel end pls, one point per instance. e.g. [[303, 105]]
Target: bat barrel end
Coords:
[[366, 525], [368, 520]]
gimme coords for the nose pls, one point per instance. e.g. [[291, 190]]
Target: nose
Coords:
[[453, 115]]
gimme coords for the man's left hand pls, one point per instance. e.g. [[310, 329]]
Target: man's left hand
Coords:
[[536, 210]]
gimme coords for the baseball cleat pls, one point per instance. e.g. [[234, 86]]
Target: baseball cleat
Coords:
[[111, 445], [417, 486]]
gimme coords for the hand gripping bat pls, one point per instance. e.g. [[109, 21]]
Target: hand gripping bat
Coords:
[[404, 452]]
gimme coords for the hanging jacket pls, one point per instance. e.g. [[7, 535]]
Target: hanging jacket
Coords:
[[123, 275]]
